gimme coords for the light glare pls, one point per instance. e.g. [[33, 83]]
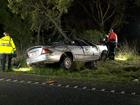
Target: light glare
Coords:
[[122, 58], [23, 69]]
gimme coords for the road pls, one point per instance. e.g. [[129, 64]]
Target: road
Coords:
[[27, 91]]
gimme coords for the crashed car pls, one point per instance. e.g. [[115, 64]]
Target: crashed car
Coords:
[[66, 53]]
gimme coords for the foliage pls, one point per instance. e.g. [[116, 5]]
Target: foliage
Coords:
[[105, 13], [42, 14], [93, 35], [125, 52], [15, 26], [137, 2]]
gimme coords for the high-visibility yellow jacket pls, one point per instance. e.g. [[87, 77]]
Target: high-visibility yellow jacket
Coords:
[[7, 45]]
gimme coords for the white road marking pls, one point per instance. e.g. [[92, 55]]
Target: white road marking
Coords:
[[112, 91], [51, 84], [93, 89], [29, 82], [59, 85], [122, 92], [67, 86], [133, 93], [15, 80], [75, 87], [84, 87], [102, 90], [22, 81], [36, 83], [44, 83], [1, 79], [8, 80]]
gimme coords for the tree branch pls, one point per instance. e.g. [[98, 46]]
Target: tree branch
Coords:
[[101, 11], [113, 12], [106, 12], [55, 24]]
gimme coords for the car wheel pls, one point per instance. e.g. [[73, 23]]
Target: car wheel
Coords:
[[104, 56], [66, 63]]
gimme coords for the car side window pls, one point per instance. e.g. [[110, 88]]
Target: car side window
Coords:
[[80, 43], [90, 43], [76, 43]]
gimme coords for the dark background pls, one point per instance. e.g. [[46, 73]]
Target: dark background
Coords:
[[78, 20]]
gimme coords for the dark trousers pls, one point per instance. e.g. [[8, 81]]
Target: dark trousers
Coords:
[[6, 59], [111, 48]]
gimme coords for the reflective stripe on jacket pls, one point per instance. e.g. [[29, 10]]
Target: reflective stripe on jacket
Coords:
[[7, 45]]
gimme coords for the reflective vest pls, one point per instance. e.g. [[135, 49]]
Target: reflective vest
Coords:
[[112, 37], [7, 45]]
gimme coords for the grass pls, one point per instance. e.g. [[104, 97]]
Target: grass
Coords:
[[125, 68], [109, 71], [125, 53]]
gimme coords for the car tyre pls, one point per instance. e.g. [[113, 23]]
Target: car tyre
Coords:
[[104, 56], [66, 63]]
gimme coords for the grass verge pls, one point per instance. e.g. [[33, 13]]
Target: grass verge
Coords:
[[109, 71]]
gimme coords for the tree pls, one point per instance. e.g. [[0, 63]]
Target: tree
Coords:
[[15, 26], [137, 2], [105, 13], [41, 14]]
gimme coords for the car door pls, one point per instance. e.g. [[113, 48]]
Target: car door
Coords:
[[77, 50], [91, 51]]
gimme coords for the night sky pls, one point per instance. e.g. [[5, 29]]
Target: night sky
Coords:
[[132, 30]]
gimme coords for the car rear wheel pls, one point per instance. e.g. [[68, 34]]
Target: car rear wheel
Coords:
[[66, 62]]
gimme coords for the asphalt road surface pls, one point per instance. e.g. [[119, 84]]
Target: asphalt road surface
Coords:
[[26, 91]]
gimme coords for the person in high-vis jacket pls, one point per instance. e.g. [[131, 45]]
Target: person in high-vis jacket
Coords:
[[7, 49], [112, 43]]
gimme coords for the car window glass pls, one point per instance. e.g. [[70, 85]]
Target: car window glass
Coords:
[[90, 43], [76, 43], [82, 43]]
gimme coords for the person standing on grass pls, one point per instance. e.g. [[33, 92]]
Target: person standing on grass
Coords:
[[112, 44], [7, 49]]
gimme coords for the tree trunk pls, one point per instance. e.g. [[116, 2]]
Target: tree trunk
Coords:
[[38, 34]]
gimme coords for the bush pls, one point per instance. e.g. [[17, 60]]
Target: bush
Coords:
[[93, 35], [19, 61], [125, 52]]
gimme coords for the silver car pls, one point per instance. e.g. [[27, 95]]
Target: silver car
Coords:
[[66, 53]]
